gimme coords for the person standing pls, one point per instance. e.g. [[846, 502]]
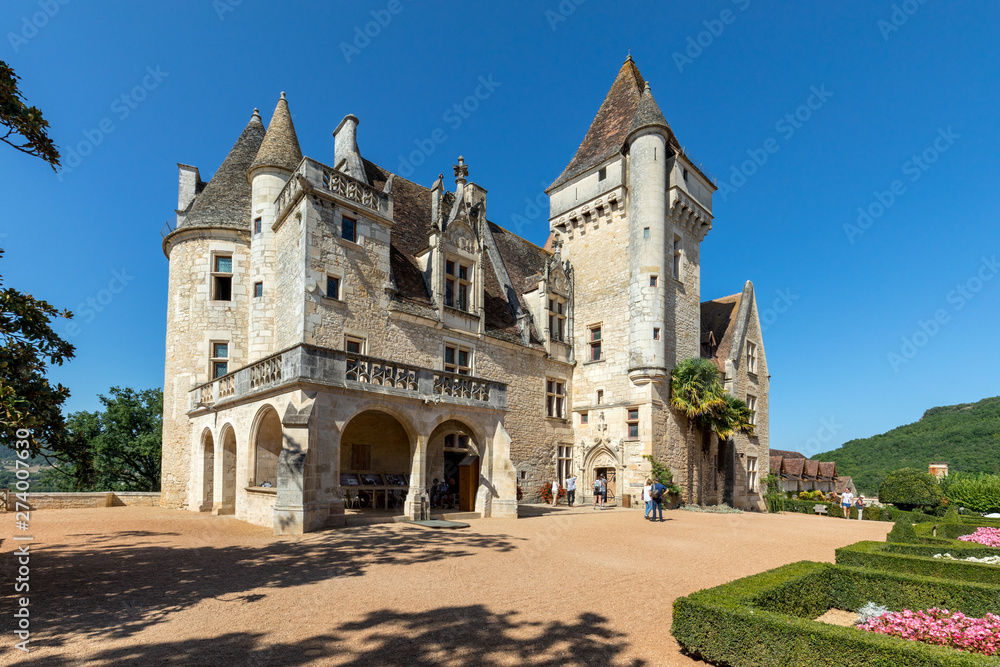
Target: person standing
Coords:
[[860, 504], [647, 497], [597, 491], [656, 494], [846, 501], [555, 493], [571, 489]]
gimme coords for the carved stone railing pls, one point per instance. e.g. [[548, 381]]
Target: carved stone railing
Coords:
[[312, 176], [371, 370], [341, 184], [287, 195], [335, 368], [461, 386]]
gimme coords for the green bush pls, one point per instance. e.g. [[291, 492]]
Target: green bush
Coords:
[[980, 493], [902, 531], [878, 556], [951, 516], [764, 620], [909, 488]]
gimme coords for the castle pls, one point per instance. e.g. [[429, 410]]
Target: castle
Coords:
[[339, 335]]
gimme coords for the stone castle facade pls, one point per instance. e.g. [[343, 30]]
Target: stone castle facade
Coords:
[[337, 333]]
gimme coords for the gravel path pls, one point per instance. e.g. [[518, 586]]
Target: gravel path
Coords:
[[149, 586]]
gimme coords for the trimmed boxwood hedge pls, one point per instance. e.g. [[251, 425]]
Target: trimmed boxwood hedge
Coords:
[[887, 556], [764, 620], [945, 530], [873, 513]]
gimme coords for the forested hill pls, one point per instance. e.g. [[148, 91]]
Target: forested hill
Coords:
[[966, 437]]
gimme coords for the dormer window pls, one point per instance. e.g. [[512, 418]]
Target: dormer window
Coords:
[[457, 284], [557, 318]]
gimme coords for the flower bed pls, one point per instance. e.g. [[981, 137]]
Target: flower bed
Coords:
[[987, 560], [940, 627], [922, 560], [766, 620], [989, 537]]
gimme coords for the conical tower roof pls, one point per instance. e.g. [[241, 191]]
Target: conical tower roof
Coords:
[[648, 114], [281, 145], [225, 201], [611, 124]]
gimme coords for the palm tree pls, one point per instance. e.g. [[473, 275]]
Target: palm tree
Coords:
[[695, 392]]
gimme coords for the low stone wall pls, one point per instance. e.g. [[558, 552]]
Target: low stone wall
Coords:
[[54, 500]]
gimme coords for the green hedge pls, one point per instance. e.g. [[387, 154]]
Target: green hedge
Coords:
[[873, 513], [887, 556], [764, 620], [946, 530]]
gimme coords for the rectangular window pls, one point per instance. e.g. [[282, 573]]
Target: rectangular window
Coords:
[[600, 396], [333, 287], [645, 232], [555, 397], [632, 421], [678, 257], [222, 278], [458, 359], [685, 175], [565, 462], [258, 289], [656, 333], [751, 357], [361, 457], [752, 474], [348, 229], [220, 359], [354, 345], [594, 343], [257, 225], [457, 284], [557, 318], [752, 404], [584, 418], [652, 281], [602, 173]]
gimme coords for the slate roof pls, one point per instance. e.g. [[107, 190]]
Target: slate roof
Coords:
[[648, 114], [719, 318], [787, 454], [225, 201], [280, 147]]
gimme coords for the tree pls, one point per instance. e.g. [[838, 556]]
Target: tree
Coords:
[[908, 488], [126, 450], [28, 345], [697, 393], [25, 124]]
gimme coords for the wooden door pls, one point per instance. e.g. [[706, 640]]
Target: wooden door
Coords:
[[610, 475], [468, 483]]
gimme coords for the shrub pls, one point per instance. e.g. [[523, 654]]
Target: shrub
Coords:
[[902, 532], [921, 561], [764, 620], [909, 488], [980, 493], [951, 516]]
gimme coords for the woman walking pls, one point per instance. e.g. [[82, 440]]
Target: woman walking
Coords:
[[647, 496]]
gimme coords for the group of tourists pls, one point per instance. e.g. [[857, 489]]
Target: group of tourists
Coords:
[[600, 491], [848, 500], [444, 494], [653, 495]]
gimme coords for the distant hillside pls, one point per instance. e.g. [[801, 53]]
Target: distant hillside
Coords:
[[966, 437]]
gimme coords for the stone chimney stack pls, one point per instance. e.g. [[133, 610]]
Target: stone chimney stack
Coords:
[[346, 156]]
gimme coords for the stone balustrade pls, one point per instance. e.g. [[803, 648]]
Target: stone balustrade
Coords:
[[322, 366], [321, 179]]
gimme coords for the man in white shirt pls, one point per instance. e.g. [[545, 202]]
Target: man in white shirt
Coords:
[[846, 501], [571, 489]]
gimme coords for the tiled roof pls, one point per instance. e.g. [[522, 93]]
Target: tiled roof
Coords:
[[280, 147], [786, 454], [611, 124], [648, 114], [810, 468], [827, 469], [792, 467], [225, 201], [719, 318], [843, 483]]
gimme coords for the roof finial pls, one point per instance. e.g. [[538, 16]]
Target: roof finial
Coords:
[[629, 59], [461, 171], [283, 95], [255, 114]]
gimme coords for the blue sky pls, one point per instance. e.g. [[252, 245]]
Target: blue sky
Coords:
[[887, 107]]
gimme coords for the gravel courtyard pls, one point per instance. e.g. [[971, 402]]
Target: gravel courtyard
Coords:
[[149, 586]]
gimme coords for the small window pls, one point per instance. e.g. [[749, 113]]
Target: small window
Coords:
[[257, 225], [584, 418], [565, 462], [458, 359], [678, 257], [685, 175], [751, 358], [600, 396], [457, 284], [602, 173], [632, 421], [557, 318], [555, 397], [354, 345], [652, 281], [258, 289], [645, 232], [222, 278], [752, 404], [348, 229], [220, 359], [333, 287], [656, 333], [594, 343], [752, 474]]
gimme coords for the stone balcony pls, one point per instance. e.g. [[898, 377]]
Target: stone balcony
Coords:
[[309, 364], [316, 178]]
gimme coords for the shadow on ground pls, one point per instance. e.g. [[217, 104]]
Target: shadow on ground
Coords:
[[113, 587], [469, 635]]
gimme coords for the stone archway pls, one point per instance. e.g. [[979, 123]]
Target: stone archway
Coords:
[[266, 444], [375, 461], [453, 453], [207, 471], [603, 461], [227, 501]]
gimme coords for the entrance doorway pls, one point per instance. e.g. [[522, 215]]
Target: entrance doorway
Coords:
[[610, 474], [453, 458]]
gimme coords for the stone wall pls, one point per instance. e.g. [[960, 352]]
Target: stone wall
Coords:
[[54, 500], [756, 384]]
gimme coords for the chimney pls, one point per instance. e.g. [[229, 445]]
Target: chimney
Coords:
[[346, 155]]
